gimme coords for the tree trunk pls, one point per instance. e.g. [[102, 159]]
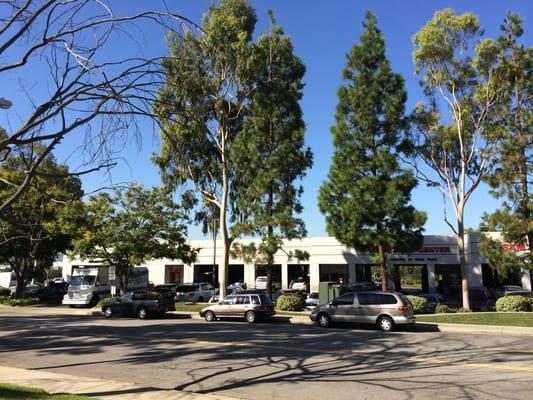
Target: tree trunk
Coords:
[[19, 275], [383, 269], [462, 260], [397, 277]]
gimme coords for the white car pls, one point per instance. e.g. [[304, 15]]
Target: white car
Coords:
[[197, 292], [261, 283]]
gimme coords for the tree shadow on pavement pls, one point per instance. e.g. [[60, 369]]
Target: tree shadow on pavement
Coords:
[[238, 359]]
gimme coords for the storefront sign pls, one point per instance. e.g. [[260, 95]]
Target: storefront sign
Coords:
[[435, 250], [515, 246]]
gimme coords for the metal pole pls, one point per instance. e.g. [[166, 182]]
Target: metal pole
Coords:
[[214, 251]]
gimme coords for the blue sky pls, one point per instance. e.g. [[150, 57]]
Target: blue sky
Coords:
[[323, 32]]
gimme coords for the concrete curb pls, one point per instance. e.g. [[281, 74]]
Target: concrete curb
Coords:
[[497, 330], [54, 383]]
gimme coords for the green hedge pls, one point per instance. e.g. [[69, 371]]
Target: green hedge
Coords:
[[514, 304], [25, 301], [420, 304], [290, 302], [4, 292], [103, 300], [442, 309]]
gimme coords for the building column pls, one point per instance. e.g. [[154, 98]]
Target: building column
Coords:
[[352, 273], [249, 275], [188, 273], [314, 276], [432, 283], [284, 276], [526, 279]]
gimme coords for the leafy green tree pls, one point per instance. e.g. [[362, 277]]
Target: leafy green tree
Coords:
[[513, 178], [366, 197], [456, 131], [201, 109], [42, 223], [131, 226], [270, 152]]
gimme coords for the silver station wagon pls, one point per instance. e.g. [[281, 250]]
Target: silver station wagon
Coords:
[[251, 307], [384, 309]]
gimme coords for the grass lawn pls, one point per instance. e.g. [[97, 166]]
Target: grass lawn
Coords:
[[11, 392], [486, 318], [190, 307]]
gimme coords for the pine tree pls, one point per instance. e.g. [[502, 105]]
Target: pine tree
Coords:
[[366, 197], [512, 179]]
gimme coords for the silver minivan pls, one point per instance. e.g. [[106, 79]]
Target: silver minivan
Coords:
[[384, 309]]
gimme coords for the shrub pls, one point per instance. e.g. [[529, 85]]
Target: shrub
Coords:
[[4, 292], [463, 310], [442, 308], [103, 300], [420, 304], [513, 304], [290, 302], [25, 301]]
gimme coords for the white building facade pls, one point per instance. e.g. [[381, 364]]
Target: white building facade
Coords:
[[438, 260]]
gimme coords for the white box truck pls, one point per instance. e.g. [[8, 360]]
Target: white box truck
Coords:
[[89, 284]]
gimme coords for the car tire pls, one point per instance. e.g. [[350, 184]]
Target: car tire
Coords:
[[250, 317], [200, 299], [108, 311], [386, 324], [142, 313], [323, 320], [209, 316]]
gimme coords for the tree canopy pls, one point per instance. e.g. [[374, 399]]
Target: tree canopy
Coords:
[[44, 220], [367, 194], [131, 226]]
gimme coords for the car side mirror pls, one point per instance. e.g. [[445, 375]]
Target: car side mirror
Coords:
[[333, 303]]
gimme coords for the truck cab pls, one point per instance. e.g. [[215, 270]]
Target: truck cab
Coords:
[[87, 286]]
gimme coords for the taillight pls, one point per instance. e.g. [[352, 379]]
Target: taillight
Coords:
[[403, 308]]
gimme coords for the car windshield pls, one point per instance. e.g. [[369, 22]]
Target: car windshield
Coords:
[[83, 280], [187, 288]]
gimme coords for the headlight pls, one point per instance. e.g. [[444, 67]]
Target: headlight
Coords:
[[88, 295]]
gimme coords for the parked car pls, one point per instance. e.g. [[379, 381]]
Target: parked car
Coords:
[[261, 283], [251, 307], [312, 300], [141, 304], [294, 292], [433, 300], [30, 290], [384, 309], [358, 287], [195, 292], [523, 293], [506, 290], [53, 292], [169, 289], [299, 285], [479, 299]]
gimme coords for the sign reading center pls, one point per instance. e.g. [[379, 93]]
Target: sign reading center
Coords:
[[112, 274], [435, 249]]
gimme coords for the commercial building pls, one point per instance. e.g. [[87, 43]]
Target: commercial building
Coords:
[[437, 262]]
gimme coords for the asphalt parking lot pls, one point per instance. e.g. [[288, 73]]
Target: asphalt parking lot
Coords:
[[267, 361]]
